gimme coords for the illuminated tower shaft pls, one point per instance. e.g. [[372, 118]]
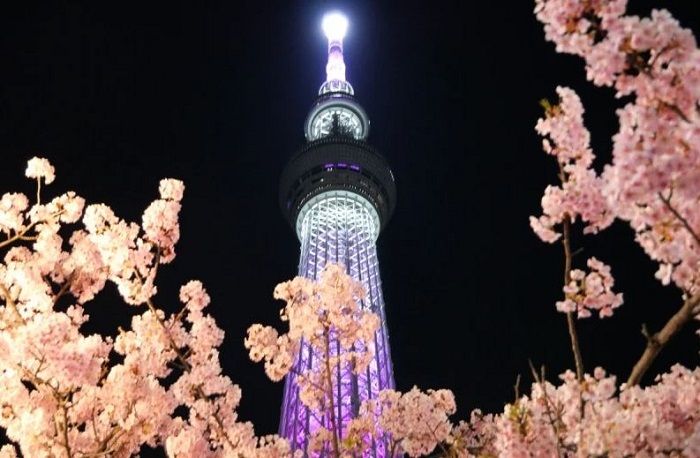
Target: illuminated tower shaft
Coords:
[[338, 192]]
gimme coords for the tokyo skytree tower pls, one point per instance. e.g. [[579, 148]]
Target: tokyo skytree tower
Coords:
[[337, 192]]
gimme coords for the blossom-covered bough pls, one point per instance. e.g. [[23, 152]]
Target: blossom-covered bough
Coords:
[[653, 180], [652, 183], [67, 394]]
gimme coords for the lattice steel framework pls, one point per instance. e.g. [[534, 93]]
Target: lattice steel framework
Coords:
[[337, 192], [340, 227]]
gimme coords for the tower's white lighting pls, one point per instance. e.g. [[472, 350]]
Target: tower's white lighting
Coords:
[[334, 26]]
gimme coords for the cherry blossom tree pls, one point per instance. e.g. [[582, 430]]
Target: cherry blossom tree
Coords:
[[652, 184], [67, 393]]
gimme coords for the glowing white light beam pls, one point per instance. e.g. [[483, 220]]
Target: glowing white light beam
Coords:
[[335, 25]]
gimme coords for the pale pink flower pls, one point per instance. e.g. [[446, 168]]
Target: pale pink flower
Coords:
[[194, 296], [161, 226], [171, 189], [69, 205], [12, 207], [40, 168], [8, 451], [591, 291], [656, 152]]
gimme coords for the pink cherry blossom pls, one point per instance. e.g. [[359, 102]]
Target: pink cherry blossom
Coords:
[[652, 181], [194, 296], [171, 189], [40, 168], [591, 291], [12, 206], [581, 192]]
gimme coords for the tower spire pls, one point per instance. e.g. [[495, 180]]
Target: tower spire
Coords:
[[336, 99], [335, 25]]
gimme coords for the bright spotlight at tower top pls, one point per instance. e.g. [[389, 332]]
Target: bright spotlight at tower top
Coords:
[[335, 25]]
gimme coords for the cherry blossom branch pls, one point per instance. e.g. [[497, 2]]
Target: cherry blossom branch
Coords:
[[19, 235], [656, 342], [38, 190], [305, 379], [64, 425], [329, 381], [684, 222], [183, 360], [441, 445], [64, 287], [104, 448], [9, 302], [107, 444], [539, 379], [61, 424], [219, 422], [187, 367], [571, 324]]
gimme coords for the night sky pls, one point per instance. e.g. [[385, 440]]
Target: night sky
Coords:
[[118, 95]]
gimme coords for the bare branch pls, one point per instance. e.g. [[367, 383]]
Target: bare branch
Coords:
[[571, 323], [656, 342]]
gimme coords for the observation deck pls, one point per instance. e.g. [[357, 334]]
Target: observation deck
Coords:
[[337, 162]]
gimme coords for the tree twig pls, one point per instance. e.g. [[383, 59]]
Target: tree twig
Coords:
[[11, 304], [571, 324], [553, 421], [657, 341], [684, 222], [329, 381]]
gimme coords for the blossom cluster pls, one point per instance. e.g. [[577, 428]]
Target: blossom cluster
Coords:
[[417, 421], [592, 418], [592, 291], [158, 383], [580, 194], [317, 312], [653, 184]]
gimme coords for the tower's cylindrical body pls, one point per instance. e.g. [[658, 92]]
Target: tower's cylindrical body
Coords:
[[338, 192]]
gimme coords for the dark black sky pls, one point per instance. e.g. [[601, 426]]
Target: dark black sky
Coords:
[[119, 95]]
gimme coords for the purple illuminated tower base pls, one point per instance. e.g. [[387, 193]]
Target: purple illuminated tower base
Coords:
[[338, 192]]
